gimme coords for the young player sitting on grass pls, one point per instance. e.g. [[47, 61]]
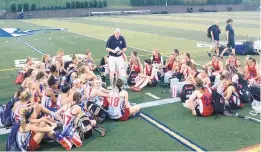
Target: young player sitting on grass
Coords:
[[232, 60], [252, 70], [28, 136], [89, 61], [98, 94], [200, 102], [216, 64], [119, 106], [170, 67], [231, 95], [149, 77], [136, 69]]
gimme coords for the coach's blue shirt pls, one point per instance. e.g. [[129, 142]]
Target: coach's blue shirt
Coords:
[[216, 31], [113, 43], [231, 35]]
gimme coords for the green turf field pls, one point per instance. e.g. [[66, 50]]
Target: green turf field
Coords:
[[165, 127]]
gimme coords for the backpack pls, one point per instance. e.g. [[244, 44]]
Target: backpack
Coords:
[[187, 91], [255, 93], [83, 126], [209, 31], [99, 113], [218, 102], [132, 77], [11, 144], [6, 117], [243, 92]]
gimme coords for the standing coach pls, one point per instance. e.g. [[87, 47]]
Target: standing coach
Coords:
[[214, 32], [230, 35], [116, 46]]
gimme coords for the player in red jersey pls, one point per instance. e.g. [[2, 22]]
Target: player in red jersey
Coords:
[[216, 64], [252, 70], [200, 101], [231, 95], [149, 77], [232, 61]]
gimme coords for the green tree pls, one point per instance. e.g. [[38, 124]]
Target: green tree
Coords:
[[33, 7], [13, 7]]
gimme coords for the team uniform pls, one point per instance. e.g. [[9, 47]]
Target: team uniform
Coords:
[[252, 72], [157, 60], [233, 63], [25, 141], [17, 116], [215, 66], [89, 63], [82, 92], [204, 107], [234, 101], [154, 80], [69, 136], [48, 103], [116, 109], [98, 100]]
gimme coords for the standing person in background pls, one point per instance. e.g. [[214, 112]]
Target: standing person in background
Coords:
[[116, 46], [214, 32], [230, 35]]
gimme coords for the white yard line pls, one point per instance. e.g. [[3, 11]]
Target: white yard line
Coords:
[[152, 95], [142, 105], [158, 102]]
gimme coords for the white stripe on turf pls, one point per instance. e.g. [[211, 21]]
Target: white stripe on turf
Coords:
[[158, 102], [142, 105], [152, 95]]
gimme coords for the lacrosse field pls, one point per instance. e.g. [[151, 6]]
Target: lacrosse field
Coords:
[[163, 123]]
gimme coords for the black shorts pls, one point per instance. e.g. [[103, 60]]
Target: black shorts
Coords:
[[231, 44], [154, 82], [197, 111]]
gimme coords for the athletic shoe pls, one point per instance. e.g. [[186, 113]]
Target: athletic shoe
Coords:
[[253, 112], [136, 114], [185, 105], [209, 54], [109, 87]]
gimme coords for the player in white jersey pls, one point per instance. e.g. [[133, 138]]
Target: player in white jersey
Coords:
[[49, 96], [119, 107], [66, 96], [78, 87], [98, 94], [29, 135], [67, 115]]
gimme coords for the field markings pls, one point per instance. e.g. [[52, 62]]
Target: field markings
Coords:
[[142, 105], [152, 95], [3, 70], [153, 33], [173, 134], [185, 26], [158, 102], [29, 45]]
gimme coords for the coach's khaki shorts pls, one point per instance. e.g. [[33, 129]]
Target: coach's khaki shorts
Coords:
[[215, 44]]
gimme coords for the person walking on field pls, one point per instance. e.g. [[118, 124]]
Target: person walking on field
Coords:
[[116, 46], [230, 35], [214, 33]]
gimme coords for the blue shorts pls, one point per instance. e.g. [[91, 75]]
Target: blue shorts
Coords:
[[231, 44]]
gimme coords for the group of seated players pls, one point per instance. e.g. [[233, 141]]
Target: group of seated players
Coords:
[[63, 101]]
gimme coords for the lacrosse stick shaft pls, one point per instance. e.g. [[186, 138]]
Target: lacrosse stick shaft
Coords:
[[246, 117]]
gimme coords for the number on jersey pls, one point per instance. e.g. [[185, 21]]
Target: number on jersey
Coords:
[[67, 119], [114, 101]]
